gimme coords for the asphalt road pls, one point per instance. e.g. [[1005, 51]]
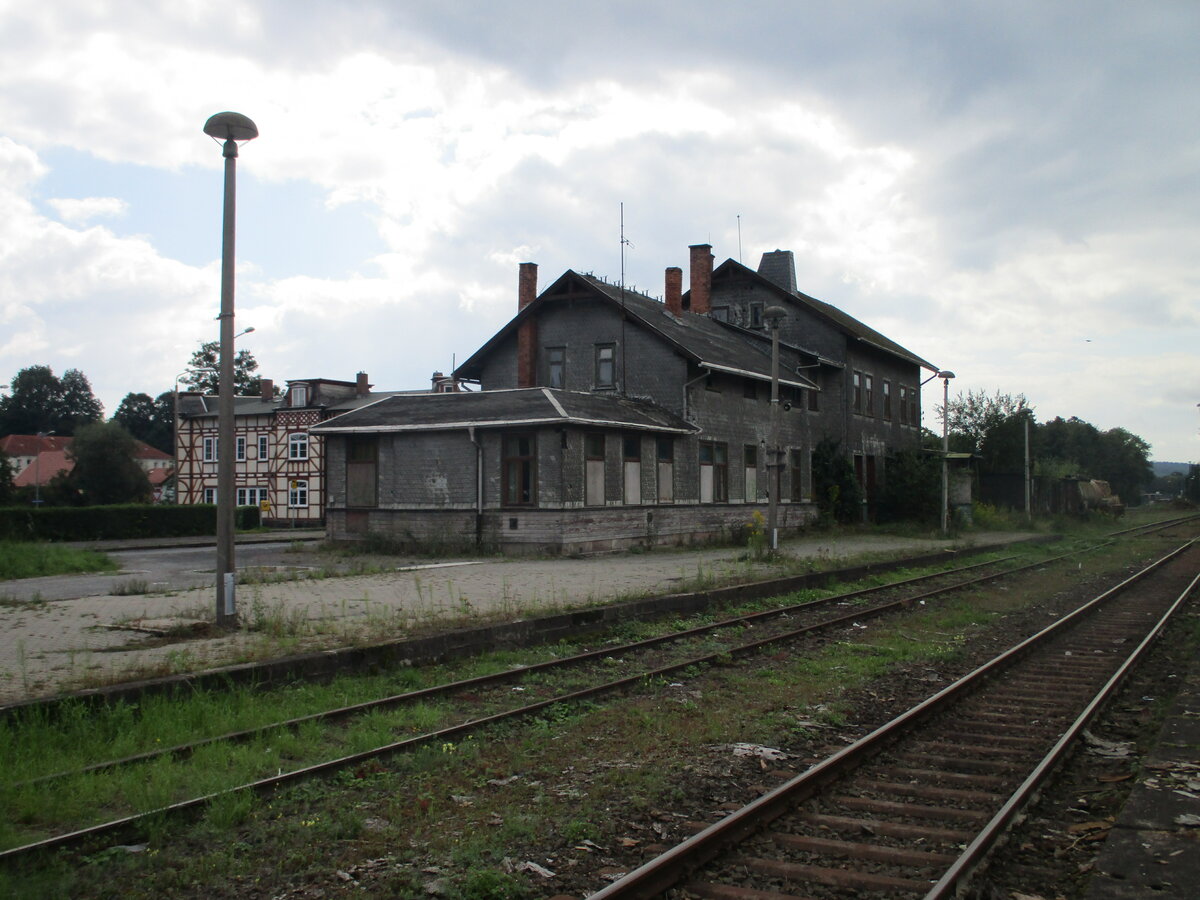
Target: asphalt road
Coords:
[[163, 569]]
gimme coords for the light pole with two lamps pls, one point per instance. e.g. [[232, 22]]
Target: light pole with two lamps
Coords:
[[229, 128]]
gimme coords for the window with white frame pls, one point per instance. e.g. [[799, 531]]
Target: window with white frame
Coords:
[[240, 451], [262, 446], [298, 396], [298, 446], [297, 493], [254, 496], [210, 495], [210, 449]]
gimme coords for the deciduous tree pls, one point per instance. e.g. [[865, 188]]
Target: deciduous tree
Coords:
[[245, 382], [149, 420], [105, 469], [39, 401]]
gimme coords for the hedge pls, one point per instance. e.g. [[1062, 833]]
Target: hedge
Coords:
[[131, 520]]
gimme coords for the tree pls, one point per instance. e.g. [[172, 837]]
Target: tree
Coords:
[[245, 382], [105, 469], [41, 402], [912, 490], [838, 495], [152, 421], [8, 493], [31, 404], [78, 406], [1116, 456], [974, 415]]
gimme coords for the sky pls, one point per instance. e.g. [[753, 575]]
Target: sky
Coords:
[[1007, 189]]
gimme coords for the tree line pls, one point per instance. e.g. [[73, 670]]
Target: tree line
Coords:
[[39, 402], [993, 427]]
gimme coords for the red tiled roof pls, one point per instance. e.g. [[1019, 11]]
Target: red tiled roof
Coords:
[[48, 464], [31, 444]]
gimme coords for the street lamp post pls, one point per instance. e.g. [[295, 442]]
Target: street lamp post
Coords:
[[773, 316], [945, 375], [228, 127]]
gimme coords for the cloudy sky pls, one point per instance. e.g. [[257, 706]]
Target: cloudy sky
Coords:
[[1008, 189]]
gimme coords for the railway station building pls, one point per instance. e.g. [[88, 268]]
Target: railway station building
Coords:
[[607, 419]]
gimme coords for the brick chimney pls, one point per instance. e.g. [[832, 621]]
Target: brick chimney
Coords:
[[267, 387], [526, 285], [361, 387], [701, 277], [527, 331], [674, 290]]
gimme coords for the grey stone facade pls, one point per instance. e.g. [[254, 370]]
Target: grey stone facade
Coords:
[[573, 383]]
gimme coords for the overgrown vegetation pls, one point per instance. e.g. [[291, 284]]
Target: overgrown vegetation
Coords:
[[835, 487], [28, 560]]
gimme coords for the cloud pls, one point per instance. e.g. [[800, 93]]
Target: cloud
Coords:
[[77, 212]]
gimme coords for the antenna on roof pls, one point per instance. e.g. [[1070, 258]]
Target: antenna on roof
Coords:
[[739, 220]]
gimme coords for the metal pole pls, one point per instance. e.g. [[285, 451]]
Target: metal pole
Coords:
[[1028, 477], [226, 568], [945, 454], [773, 316]]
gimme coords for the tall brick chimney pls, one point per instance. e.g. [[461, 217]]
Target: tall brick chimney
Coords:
[[674, 290], [361, 387], [267, 388], [527, 330], [701, 278], [526, 285]]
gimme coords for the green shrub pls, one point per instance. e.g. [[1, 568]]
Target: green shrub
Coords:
[[92, 523]]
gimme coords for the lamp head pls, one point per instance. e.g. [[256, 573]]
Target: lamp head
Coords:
[[231, 126], [946, 374]]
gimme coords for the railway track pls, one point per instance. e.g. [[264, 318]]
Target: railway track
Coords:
[[476, 703], [912, 809]]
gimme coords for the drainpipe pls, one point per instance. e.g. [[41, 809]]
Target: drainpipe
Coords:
[[478, 485]]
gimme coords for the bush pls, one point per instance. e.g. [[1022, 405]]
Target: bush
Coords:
[[838, 495], [93, 523], [911, 490]]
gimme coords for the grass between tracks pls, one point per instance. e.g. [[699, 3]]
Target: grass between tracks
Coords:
[[445, 819]]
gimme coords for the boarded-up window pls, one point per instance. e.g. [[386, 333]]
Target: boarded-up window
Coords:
[[796, 471], [632, 454], [714, 472], [518, 470], [666, 469], [593, 445], [362, 468], [751, 461]]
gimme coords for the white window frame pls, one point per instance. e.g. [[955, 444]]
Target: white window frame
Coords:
[[298, 493], [240, 448], [210, 495], [210, 448], [298, 445], [263, 446]]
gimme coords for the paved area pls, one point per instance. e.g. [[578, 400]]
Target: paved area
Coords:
[[1152, 849], [82, 638]]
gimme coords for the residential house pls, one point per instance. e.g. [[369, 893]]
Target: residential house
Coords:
[[23, 449], [39, 459], [609, 419], [278, 465]]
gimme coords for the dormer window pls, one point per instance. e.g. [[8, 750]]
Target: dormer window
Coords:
[[298, 396]]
